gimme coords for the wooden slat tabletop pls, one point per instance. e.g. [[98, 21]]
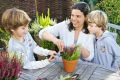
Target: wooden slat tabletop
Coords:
[[86, 70]]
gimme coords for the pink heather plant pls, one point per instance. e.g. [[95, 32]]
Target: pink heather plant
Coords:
[[10, 66]]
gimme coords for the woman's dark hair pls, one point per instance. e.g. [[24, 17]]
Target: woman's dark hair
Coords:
[[84, 8]]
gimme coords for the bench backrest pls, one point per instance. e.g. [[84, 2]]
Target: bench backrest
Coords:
[[113, 26], [116, 31]]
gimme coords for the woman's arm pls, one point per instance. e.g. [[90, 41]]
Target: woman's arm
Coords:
[[87, 49], [50, 37]]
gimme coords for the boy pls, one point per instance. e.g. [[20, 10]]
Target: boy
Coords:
[[107, 51], [16, 22]]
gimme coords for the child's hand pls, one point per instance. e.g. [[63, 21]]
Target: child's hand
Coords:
[[52, 53], [52, 56]]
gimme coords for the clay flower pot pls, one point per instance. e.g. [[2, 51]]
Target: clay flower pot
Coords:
[[70, 66], [70, 58]]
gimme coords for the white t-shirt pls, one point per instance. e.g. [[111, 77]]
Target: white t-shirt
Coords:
[[26, 49]]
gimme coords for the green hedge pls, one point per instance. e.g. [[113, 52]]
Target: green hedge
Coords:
[[112, 9]]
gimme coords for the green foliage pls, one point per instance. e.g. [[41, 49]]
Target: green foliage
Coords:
[[112, 9], [35, 28], [4, 38], [45, 21], [48, 45], [67, 77], [72, 53], [41, 22]]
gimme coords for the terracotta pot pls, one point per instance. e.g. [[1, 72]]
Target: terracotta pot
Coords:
[[70, 66]]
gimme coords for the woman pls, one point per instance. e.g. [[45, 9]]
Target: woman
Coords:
[[72, 32]]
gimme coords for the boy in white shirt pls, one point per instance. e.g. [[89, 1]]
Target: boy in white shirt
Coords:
[[16, 22]]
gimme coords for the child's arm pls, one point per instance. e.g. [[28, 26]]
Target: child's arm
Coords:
[[27, 64], [42, 51], [39, 50], [36, 64]]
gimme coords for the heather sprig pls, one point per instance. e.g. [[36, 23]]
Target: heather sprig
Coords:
[[10, 66]]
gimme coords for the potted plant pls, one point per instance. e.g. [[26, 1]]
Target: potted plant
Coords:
[[10, 66], [70, 58]]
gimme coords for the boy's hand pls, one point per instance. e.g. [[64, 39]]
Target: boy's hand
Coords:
[[52, 56], [52, 53]]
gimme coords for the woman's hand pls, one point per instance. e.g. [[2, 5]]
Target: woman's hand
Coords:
[[60, 44], [84, 52]]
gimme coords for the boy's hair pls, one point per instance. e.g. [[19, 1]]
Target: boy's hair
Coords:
[[14, 18], [99, 18]]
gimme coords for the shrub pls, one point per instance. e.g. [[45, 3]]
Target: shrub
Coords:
[[112, 9]]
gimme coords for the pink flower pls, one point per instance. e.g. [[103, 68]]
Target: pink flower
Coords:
[[9, 67]]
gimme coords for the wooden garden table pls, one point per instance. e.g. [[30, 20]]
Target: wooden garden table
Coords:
[[86, 70]]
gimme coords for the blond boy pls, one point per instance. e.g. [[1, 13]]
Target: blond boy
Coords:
[[16, 21], [107, 51]]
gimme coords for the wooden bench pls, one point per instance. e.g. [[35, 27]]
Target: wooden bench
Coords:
[[116, 31], [114, 27]]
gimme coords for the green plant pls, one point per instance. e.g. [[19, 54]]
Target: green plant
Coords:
[[41, 21], [65, 77], [112, 9], [10, 66], [45, 21], [68, 77], [71, 53], [4, 38], [35, 28]]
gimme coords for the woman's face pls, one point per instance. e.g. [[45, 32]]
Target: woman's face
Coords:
[[77, 18]]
